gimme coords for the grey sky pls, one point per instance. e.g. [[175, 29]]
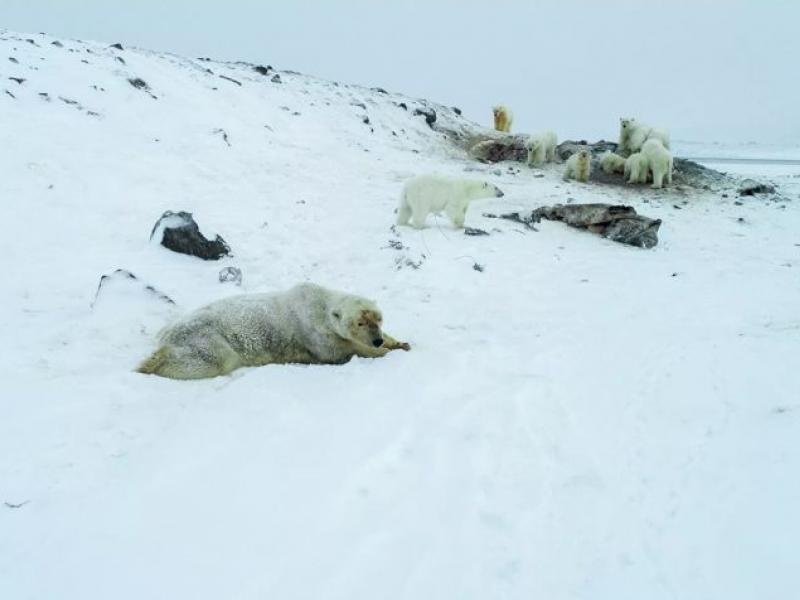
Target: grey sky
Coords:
[[710, 71]]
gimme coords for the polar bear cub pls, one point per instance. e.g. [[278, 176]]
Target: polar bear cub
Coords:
[[502, 118], [307, 324], [636, 168], [426, 194], [542, 148], [659, 160], [612, 163], [633, 133], [579, 166]]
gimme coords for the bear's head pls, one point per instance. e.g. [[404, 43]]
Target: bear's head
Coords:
[[584, 156], [357, 320], [484, 189]]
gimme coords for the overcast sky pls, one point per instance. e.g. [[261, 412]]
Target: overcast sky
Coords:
[[725, 70]]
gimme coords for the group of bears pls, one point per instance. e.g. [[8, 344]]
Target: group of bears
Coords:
[[643, 151], [310, 324]]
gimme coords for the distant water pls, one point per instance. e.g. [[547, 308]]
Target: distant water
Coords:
[[781, 163]]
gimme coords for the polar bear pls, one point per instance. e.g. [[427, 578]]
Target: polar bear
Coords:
[[307, 324], [636, 168], [612, 163], [633, 133], [541, 148], [579, 166], [502, 118], [426, 194], [659, 159]]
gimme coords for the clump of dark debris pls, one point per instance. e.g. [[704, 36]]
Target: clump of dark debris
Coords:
[[180, 233]]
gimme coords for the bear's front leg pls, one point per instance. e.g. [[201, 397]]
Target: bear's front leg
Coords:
[[392, 344]]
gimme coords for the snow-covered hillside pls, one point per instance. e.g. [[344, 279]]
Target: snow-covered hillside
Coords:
[[579, 419]]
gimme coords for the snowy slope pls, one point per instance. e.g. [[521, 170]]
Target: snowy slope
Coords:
[[579, 420]]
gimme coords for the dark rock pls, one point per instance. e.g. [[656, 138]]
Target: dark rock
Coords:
[[475, 231], [457, 110], [403, 105], [180, 233], [10, 94], [380, 90], [750, 188], [121, 280], [567, 148], [14, 60], [359, 105], [57, 44], [19, 80], [118, 46], [276, 78], [120, 59], [231, 274], [365, 120], [428, 113], [262, 70], [138, 83]]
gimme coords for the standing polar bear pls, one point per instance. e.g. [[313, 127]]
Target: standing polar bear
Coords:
[[426, 194], [542, 148], [579, 166], [502, 118], [636, 168], [307, 324], [659, 160], [633, 133]]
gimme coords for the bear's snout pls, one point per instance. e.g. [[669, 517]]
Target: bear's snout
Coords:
[[377, 342]]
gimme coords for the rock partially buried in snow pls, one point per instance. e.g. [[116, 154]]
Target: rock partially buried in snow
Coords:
[[428, 113], [750, 187], [180, 233], [124, 283], [231, 274], [276, 78]]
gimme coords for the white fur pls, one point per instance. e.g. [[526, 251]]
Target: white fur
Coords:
[[612, 163], [306, 324], [426, 194], [542, 148], [636, 168], [633, 133], [503, 117], [659, 159], [579, 166]]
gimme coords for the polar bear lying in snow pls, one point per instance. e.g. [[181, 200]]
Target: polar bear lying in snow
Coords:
[[542, 148], [633, 133], [612, 163], [307, 324], [426, 194]]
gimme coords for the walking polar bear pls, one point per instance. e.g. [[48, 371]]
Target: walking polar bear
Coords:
[[307, 324], [633, 133], [579, 166], [426, 194], [542, 148], [502, 118]]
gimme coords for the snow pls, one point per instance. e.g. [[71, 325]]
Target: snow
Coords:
[[579, 420]]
